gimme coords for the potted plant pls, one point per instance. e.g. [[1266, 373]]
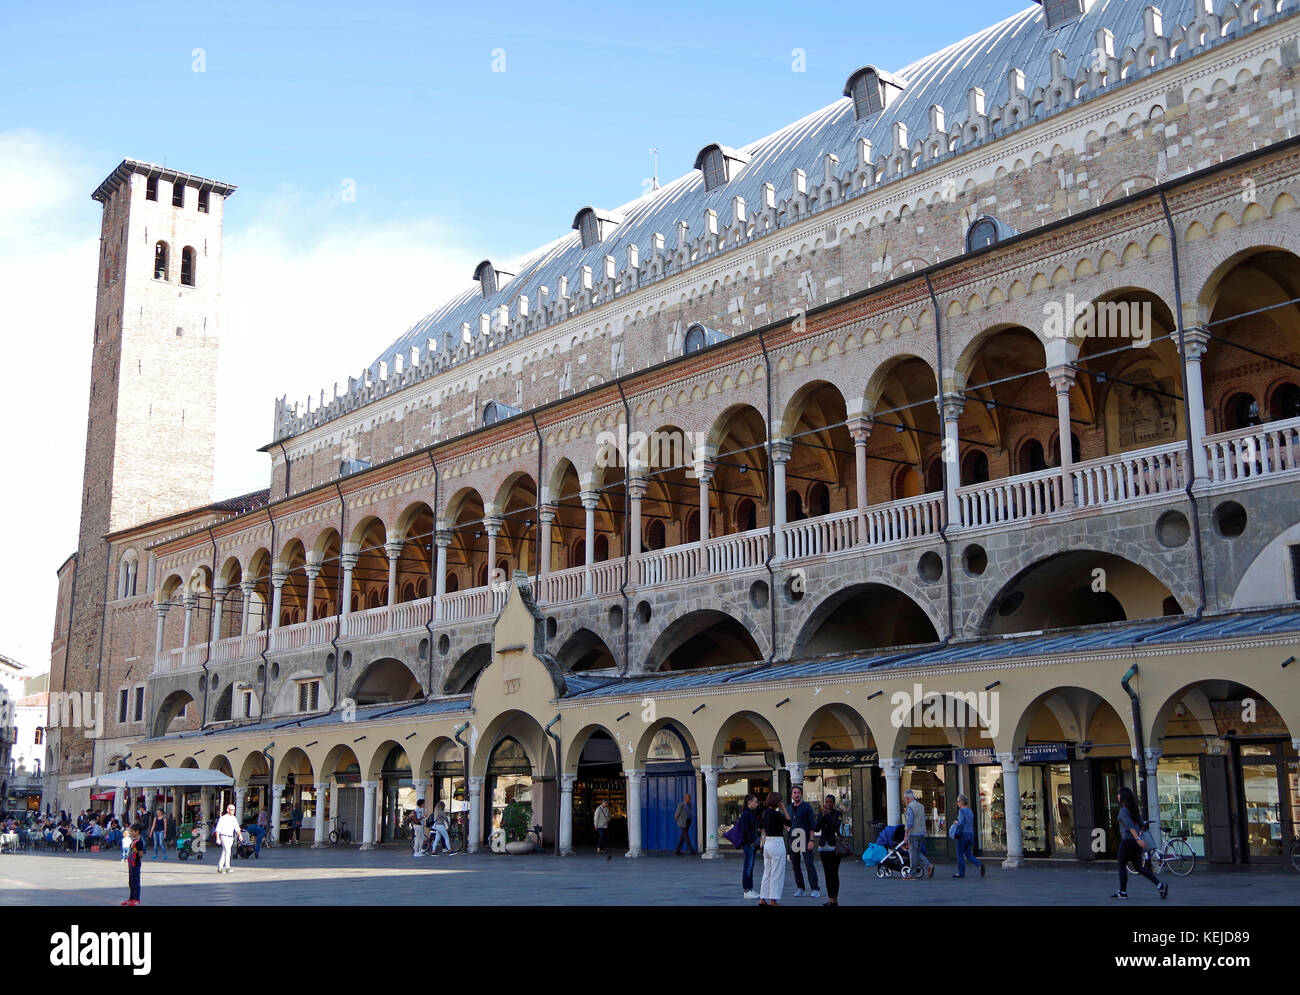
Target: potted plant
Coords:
[[516, 820]]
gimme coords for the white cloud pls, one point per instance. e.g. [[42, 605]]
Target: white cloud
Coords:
[[296, 318]]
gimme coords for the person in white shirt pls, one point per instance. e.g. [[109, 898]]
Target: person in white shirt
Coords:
[[417, 843], [227, 833]]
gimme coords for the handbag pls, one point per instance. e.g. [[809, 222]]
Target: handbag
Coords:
[[843, 847], [734, 837]]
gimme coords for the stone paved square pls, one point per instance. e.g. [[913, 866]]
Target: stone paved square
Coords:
[[389, 876]]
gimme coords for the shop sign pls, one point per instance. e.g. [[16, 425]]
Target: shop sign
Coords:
[[842, 758], [1045, 753], [928, 754], [978, 756]]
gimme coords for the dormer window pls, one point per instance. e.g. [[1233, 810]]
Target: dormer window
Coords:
[[698, 336], [1059, 12], [987, 230], [595, 226], [489, 278], [719, 164], [872, 90], [495, 411]]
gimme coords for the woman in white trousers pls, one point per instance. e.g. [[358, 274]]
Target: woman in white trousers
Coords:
[[774, 820]]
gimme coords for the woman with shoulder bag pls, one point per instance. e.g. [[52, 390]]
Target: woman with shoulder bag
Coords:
[[831, 846]]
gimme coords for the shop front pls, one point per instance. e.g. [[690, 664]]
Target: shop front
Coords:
[[742, 774], [928, 772], [1268, 778], [300, 795], [848, 775], [669, 777], [397, 797], [509, 779], [600, 778]]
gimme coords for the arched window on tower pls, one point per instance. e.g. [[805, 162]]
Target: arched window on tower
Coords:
[[188, 258], [161, 260]]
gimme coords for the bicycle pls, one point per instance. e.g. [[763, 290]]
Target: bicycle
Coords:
[[1295, 853], [455, 833], [338, 835], [1176, 854]]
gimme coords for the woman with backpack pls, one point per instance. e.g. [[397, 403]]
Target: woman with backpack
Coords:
[[1132, 845]]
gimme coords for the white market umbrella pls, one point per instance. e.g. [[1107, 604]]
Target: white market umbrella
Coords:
[[157, 777]]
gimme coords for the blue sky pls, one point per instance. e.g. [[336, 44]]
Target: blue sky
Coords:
[[452, 162]]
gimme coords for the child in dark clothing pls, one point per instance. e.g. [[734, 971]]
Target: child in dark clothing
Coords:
[[134, 854]]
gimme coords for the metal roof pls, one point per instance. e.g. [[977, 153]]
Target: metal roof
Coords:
[[128, 166], [983, 60], [989, 650]]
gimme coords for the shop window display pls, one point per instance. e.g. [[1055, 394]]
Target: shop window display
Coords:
[[817, 784], [927, 784], [1182, 812]]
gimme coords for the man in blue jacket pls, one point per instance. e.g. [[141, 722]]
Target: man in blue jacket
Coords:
[[799, 844]]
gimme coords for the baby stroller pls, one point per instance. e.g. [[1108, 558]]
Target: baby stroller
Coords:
[[889, 853], [245, 846], [192, 845]]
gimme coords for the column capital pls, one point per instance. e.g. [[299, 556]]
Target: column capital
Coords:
[[590, 499], [1196, 342], [547, 514], [1009, 762], [636, 488], [248, 587], [443, 537], [278, 577], [476, 785], [162, 608], [312, 569], [370, 785], [704, 470], [1062, 377], [781, 450], [1153, 754], [633, 774], [321, 787], [190, 601], [349, 560], [393, 549], [892, 766], [796, 772], [567, 781], [492, 525], [860, 430], [950, 406], [710, 771], [219, 592]]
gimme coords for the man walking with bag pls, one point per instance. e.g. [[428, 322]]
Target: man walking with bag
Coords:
[[227, 833], [601, 821], [684, 816]]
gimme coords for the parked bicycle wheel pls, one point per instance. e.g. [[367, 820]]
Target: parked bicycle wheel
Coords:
[[334, 837], [1295, 854], [1179, 857]]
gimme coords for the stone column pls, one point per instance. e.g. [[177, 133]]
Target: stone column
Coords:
[[950, 408], [1063, 378], [1151, 803], [218, 603], [1011, 793], [393, 550], [860, 430], [349, 560], [161, 608], [634, 778], [780, 451], [246, 588], [238, 791], [1197, 342], [475, 829], [205, 808], [312, 570], [278, 578], [893, 768], [119, 806], [636, 489], [590, 499], [442, 539], [704, 470], [492, 526], [368, 820], [711, 851], [566, 813], [190, 602], [274, 830], [547, 517], [318, 820]]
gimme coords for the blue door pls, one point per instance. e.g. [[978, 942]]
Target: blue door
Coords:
[[663, 792]]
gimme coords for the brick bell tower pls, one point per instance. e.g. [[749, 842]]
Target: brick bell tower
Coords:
[[151, 430]]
